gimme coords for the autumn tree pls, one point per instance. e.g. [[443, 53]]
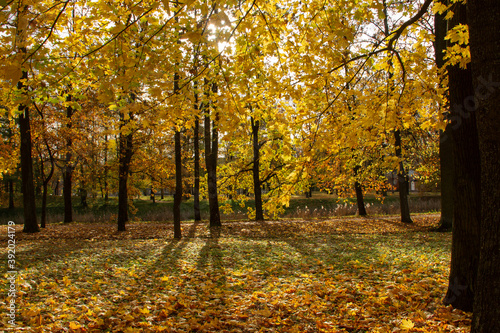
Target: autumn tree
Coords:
[[483, 20], [467, 183]]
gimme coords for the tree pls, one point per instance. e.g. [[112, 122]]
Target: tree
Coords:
[[483, 18], [30, 222], [212, 151], [467, 183]]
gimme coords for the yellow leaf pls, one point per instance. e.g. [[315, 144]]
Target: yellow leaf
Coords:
[[406, 324], [74, 326], [66, 281]]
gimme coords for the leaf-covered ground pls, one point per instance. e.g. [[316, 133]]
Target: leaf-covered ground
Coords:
[[340, 275]]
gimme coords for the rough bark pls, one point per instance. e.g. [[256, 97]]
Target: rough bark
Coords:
[[178, 185], [211, 154], [28, 188], [68, 169], [45, 184], [30, 222], [196, 191], [10, 184], [83, 191], [484, 25], [359, 194], [259, 212], [404, 187], [125, 157], [466, 188]]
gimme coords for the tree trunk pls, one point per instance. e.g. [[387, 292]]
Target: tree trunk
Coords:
[[211, 154], [467, 189], [178, 185], [196, 191], [125, 156], [196, 194], [403, 182], [402, 176], [68, 170], [106, 190], [445, 139], [30, 223], [28, 188], [10, 184], [359, 194], [483, 19], [83, 192], [43, 220], [259, 213]]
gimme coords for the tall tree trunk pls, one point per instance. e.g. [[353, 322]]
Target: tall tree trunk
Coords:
[[359, 194], [125, 157], [402, 181], [30, 223], [196, 191], [484, 25], [259, 213], [445, 139], [28, 188], [211, 155], [106, 190], [10, 185], [178, 160], [83, 191], [178, 185], [404, 187], [45, 185], [467, 189], [68, 169]]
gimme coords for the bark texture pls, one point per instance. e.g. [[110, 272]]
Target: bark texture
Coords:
[[259, 212], [211, 155], [484, 24], [467, 187]]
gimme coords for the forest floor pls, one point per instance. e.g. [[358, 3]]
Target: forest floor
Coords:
[[355, 274]]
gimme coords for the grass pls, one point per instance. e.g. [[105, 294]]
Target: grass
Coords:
[[321, 205], [339, 275]]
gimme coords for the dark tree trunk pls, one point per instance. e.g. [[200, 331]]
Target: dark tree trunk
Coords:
[[445, 138], [484, 25], [211, 154], [403, 182], [125, 156], [196, 194], [45, 185], [10, 184], [68, 170], [152, 195], [402, 176], [83, 192], [259, 213], [359, 194], [178, 162], [466, 196], [30, 223], [106, 190], [196, 191], [178, 185]]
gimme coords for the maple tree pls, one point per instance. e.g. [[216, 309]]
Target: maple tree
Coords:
[[286, 96]]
